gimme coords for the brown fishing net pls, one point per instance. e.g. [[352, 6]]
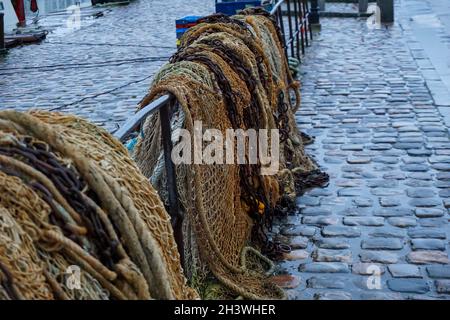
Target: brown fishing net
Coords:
[[77, 218], [229, 73]]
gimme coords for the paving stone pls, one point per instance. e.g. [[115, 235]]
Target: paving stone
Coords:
[[296, 255], [433, 222], [394, 176], [325, 283], [352, 147], [427, 233], [382, 244], [408, 285], [418, 183], [349, 192], [415, 167], [388, 232], [324, 267], [358, 160], [364, 221], [404, 271], [425, 202], [386, 160], [316, 211], [442, 286], [441, 166], [308, 201], [382, 183], [333, 295], [326, 255], [320, 220], [427, 257], [381, 296], [393, 212], [445, 193], [341, 231], [429, 212], [348, 183], [402, 222], [298, 231], [333, 243], [385, 192], [298, 242], [355, 211], [378, 257], [427, 244], [420, 193], [389, 201], [439, 272], [362, 202], [319, 192], [368, 269], [286, 281], [420, 176], [419, 152], [443, 176]]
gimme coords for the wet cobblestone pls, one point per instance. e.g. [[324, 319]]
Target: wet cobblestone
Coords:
[[140, 30], [383, 142]]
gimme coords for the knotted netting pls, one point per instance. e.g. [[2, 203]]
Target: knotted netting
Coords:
[[229, 73], [72, 199]]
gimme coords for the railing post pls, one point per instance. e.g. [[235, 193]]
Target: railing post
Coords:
[[298, 29], [363, 5], [174, 206], [387, 10], [281, 22], [291, 33], [314, 14], [2, 33]]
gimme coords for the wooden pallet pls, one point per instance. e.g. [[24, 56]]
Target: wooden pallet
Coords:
[[18, 39]]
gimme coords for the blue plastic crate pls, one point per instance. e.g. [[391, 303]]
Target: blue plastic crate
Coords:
[[233, 7], [180, 32], [187, 21]]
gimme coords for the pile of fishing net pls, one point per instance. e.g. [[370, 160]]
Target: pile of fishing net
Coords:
[[229, 73], [77, 218]]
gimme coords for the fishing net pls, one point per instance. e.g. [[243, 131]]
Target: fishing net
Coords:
[[77, 218], [229, 73]]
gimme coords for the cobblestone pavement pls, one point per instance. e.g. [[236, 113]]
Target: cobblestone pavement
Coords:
[[383, 142], [140, 30]]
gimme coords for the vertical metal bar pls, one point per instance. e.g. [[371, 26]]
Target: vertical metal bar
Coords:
[[387, 10], [2, 32], [363, 5], [306, 24], [298, 29], [174, 206], [314, 15], [291, 34], [280, 18]]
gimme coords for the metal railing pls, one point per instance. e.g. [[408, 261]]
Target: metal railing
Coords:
[[292, 17], [295, 21]]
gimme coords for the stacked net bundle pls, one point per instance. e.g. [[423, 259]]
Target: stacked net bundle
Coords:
[[77, 218], [229, 73]]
